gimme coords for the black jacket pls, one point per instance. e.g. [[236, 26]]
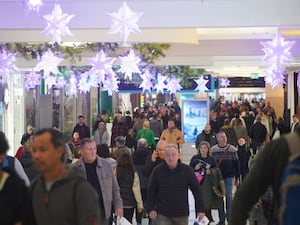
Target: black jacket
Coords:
[[14, 200], [168, 190]]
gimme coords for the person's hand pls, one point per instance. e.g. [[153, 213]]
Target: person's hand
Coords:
[[139, 210], [198, 166], [200, 215], [237, 182], [154, 156], [119, 212], [208, 171], [152, 214]]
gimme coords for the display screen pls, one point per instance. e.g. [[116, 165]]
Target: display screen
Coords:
[[194, 117]]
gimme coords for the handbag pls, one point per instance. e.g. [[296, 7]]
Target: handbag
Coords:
[[276, 134]]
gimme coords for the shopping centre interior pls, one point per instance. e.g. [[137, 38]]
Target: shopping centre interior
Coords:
[[223, 37]]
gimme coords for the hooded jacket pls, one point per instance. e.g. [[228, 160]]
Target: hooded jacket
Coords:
[[71, 200]]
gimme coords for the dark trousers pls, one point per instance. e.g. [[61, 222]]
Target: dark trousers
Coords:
[[128, 213]]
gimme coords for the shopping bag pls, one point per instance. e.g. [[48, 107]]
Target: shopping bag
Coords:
[[122, 221], [203, 221]]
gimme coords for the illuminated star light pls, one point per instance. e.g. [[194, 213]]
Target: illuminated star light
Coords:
[[160, 86], [32, 79], [224, 82], [277, 51], [201, 85], [48, 64], [86, 82], [129, 64], [61, 82], [34, 5], [111, 84], [101, 65], [274, 77], [7, 64], [124, 22], [146, 84], [174, 85], [57, 24], [72, 86]]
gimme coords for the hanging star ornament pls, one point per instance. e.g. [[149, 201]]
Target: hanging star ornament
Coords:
[[174, 85], [7, 64], [201, 85], [224, 82], [48, 64], [32, 79], [111, 84], [33, 5], [71, 89], [277, 53], [160, 86], [146, 83], [101, 65], [86, 82], [274, 76], [124, 22], [57, 24], [129, 64]]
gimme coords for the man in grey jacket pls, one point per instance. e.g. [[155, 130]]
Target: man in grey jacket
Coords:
[[61, 195], [99, 174]]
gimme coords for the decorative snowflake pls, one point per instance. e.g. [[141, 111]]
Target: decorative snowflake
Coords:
[[101, 65], [48, 64], [129, 64], [7, 64], [72, 86], [32, 79], [201, 85], [111, 84], [57, 24], [174, 85], [224, 82], [124, 22], [86, 82], [274, 77], [33, 5], [277, 51], [160, 86], [61, 82], [146, 81]]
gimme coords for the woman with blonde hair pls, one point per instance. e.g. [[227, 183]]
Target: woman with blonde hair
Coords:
[[209, 177], [147, 134]]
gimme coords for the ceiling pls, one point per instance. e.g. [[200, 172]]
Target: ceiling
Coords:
[[222, 36]]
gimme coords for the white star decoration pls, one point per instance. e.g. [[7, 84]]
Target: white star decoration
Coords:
[[34, 5], [48, 63], [129, 64], [101, 65], [124, 22], [201, 85], [7, 64], [57, 24], [160, 86], [86, 82], [32, 79], [61, 82], [111, 84], [224, 82], [174, 85], [146, 84], [277, 53], [72, 86]]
